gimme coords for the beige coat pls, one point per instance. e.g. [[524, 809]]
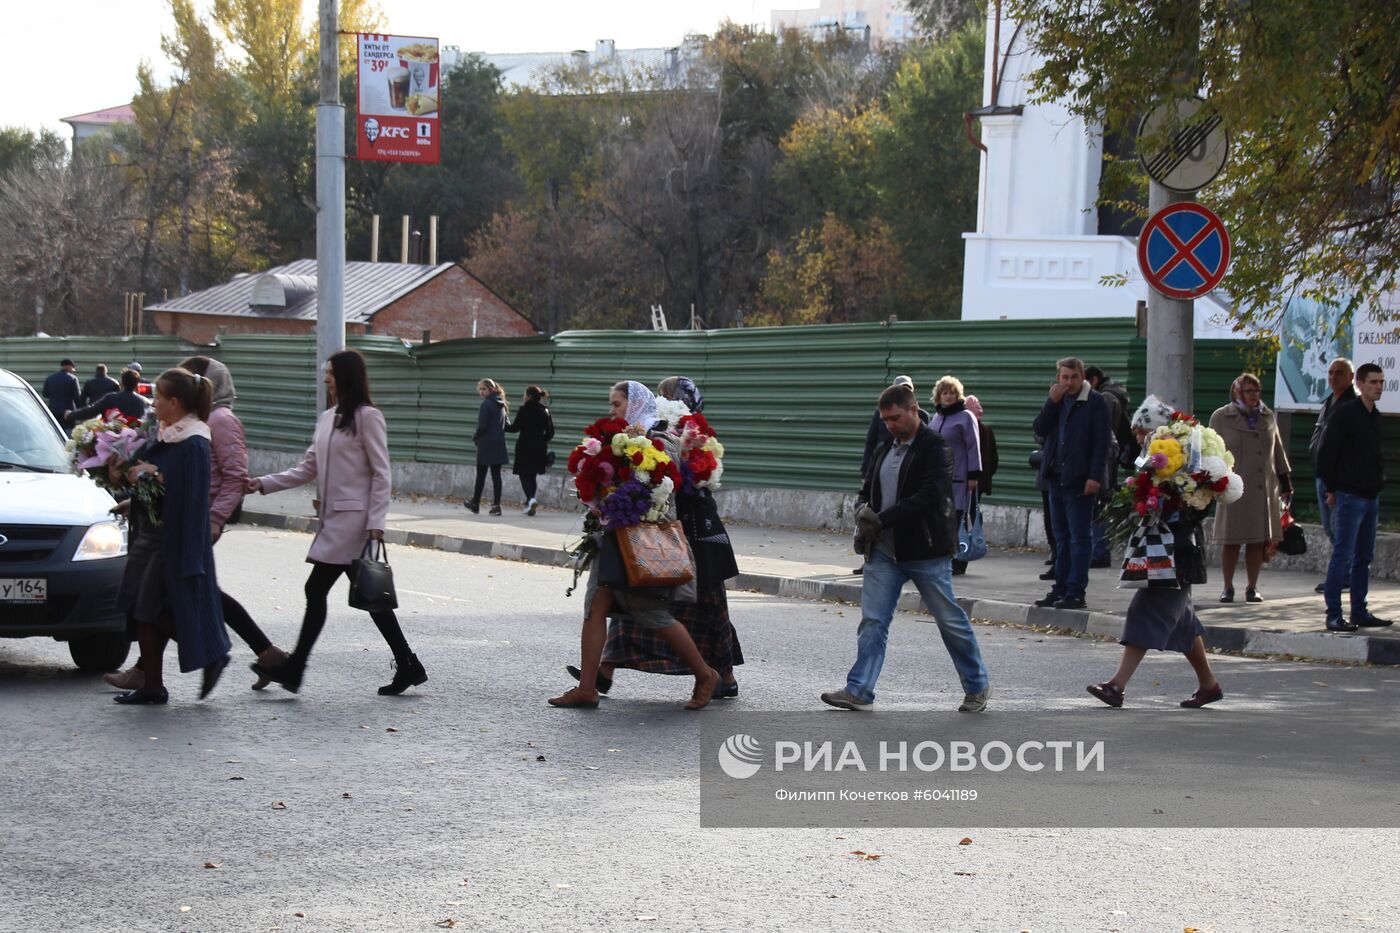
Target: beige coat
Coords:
[[1256, 516]]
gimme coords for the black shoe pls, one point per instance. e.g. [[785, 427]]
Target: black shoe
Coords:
[[1367, 620], [212, 673], [1070, 602], [1321, 587], [1335, 623], [287, 675], [496, 509], [407, 673], [1251, 595], [1098, 563], [1048, 575], [859, 570], [1048, 600], [603, 684], [472, 506], [1227, 596], [1049, 561], [143, 698], [726, 691]]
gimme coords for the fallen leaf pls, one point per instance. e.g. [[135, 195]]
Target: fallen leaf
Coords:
[[346, 796], [278, 805], [966, 841], [233, 761], [835, 896], [1158, 812], [966, 874], [235, 778], [299, 914], [840, 837], [185, 910], [539, 758], [464, 883], [391, 729], [595, 767], [645, 917], [866, 856], [1319, 683], [449, 923], [212, 864]]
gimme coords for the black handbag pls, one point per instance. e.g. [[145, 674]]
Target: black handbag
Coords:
[[372, 579], [1294, 541], [548, 460]]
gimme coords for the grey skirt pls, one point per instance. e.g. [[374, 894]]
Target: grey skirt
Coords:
[[1164, 619], [142, 594]]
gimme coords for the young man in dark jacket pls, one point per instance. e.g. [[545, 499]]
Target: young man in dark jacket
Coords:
[[127, 401], [1349, 462], [61, 390], [99, 385], [905, 529], [1074, 423]]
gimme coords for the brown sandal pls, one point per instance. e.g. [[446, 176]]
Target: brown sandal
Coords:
[[1109, 692], [700, 697], [577, 698]]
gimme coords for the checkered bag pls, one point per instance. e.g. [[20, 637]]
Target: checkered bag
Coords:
[[656, 554], [1151, 558]]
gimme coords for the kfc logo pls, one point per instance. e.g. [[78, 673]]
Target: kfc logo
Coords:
[[394, 132]]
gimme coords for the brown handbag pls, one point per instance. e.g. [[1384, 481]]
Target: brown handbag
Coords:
[[656, 554]]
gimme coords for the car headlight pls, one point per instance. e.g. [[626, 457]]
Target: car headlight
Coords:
[[103, 541]]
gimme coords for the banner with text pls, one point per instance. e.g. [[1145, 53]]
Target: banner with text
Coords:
[[1313, 334], [398, 99]]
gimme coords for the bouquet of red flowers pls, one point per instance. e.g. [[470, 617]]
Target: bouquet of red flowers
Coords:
[[701, 454]]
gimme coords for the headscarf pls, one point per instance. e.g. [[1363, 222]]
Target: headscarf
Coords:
[[221, 381], [641, 405], [1152, 414], [973, 405], [687, 391], [1251, 415]]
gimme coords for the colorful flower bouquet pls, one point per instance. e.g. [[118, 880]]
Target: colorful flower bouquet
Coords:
[[702, 455], [1183, 469], [105, 448]]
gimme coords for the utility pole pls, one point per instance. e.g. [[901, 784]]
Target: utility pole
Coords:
[[330, 201], [1171, 328]]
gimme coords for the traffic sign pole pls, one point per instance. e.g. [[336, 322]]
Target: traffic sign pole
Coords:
[[1171, 350]]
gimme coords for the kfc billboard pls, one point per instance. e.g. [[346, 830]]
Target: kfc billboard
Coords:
[[398, 99]]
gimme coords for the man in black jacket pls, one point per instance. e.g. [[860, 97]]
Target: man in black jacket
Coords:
[[906, 530], [99, 385], [1339, 379], [1352, 471], [61, 390], [128, 401]]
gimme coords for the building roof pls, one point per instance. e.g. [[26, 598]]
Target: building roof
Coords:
[[289, 292], [122, 114]]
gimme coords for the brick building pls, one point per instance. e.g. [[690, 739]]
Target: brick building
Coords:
[[393, 299]]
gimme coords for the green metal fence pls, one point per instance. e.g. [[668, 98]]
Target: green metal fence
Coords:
[[791, 404]]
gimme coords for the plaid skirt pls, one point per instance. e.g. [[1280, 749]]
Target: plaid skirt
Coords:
[[707, 621]]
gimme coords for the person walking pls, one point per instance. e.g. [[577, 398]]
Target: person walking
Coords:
[[349, 462], [228, 476], [99, 385], [1074, 423], [126, 400], [1163, 618], [490, 440], [906, 531], [534, 427], [958, 427], [877, 434], [62, 392], [1340, 379], [643, 608], [169, 587], [1250, 432], [1351, 464], [707, 619]]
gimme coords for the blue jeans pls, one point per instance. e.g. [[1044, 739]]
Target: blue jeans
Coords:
[[879, 594], [1353, 545], [1323, 509], [1098, 536], [1072, 515]]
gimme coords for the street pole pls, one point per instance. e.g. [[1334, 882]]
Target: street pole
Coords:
[[330, 201], [1171, 326]]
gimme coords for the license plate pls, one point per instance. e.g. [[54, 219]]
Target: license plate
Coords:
[[23, 589]]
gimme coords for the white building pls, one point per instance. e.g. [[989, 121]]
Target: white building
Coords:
[[530, 69], [87, 125], [887, 20], [1038, 250]]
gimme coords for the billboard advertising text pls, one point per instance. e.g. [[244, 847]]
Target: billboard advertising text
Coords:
[[398, 99]]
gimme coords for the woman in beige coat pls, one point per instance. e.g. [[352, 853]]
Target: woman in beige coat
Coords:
[[1250, 431]]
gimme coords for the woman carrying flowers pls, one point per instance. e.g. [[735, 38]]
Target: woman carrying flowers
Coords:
[[626, 473], [679, 406], [1183, 469]]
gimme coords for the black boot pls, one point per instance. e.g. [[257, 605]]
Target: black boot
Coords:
[[287, 674], [407, 673]]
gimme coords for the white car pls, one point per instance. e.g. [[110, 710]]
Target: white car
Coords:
[[61, 551]]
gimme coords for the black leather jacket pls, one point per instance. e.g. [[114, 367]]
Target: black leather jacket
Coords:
[[922, 517]]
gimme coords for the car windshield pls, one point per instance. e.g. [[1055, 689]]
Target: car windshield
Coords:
[[27, 435]]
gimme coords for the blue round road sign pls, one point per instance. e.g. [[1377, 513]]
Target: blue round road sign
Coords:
[[1183, 251]]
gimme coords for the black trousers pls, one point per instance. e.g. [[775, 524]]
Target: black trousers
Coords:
[[318, 586], [495, 469], [529, 485], [242, 624]]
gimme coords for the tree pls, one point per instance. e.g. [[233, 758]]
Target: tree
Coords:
[[832, 273], [938, 18], [1310, 93], [22, 148]]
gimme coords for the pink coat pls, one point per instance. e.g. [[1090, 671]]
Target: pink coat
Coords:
[[352, 483], [228, 471]]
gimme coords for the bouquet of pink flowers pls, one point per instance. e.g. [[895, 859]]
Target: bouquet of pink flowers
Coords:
[[105, 448]]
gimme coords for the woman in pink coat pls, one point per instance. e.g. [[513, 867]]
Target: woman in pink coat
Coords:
[[349, 462]]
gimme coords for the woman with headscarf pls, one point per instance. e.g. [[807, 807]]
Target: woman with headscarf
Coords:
[[1161, 618], [648, 609], [952, 420], [490, 440], [707, 619], [1250, 431]]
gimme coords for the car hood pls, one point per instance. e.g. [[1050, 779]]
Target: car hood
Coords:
[[51, 499]]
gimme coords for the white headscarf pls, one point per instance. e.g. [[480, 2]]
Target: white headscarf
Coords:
[[641, 405]]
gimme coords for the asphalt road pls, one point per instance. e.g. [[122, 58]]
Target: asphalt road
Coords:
[[469, 799]]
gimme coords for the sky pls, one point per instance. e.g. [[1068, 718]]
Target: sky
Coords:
[[105, 40]]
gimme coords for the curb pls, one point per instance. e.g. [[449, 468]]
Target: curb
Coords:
[[1302, 646]]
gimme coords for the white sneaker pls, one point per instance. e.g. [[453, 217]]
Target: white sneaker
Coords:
[[531, 506], [843, 700]]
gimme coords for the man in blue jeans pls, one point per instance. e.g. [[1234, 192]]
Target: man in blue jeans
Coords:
[[906, 530], [1350, 465], [1074, 422], [1339, 379]]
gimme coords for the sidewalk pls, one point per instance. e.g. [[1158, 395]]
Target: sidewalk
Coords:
[[813, 564]]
